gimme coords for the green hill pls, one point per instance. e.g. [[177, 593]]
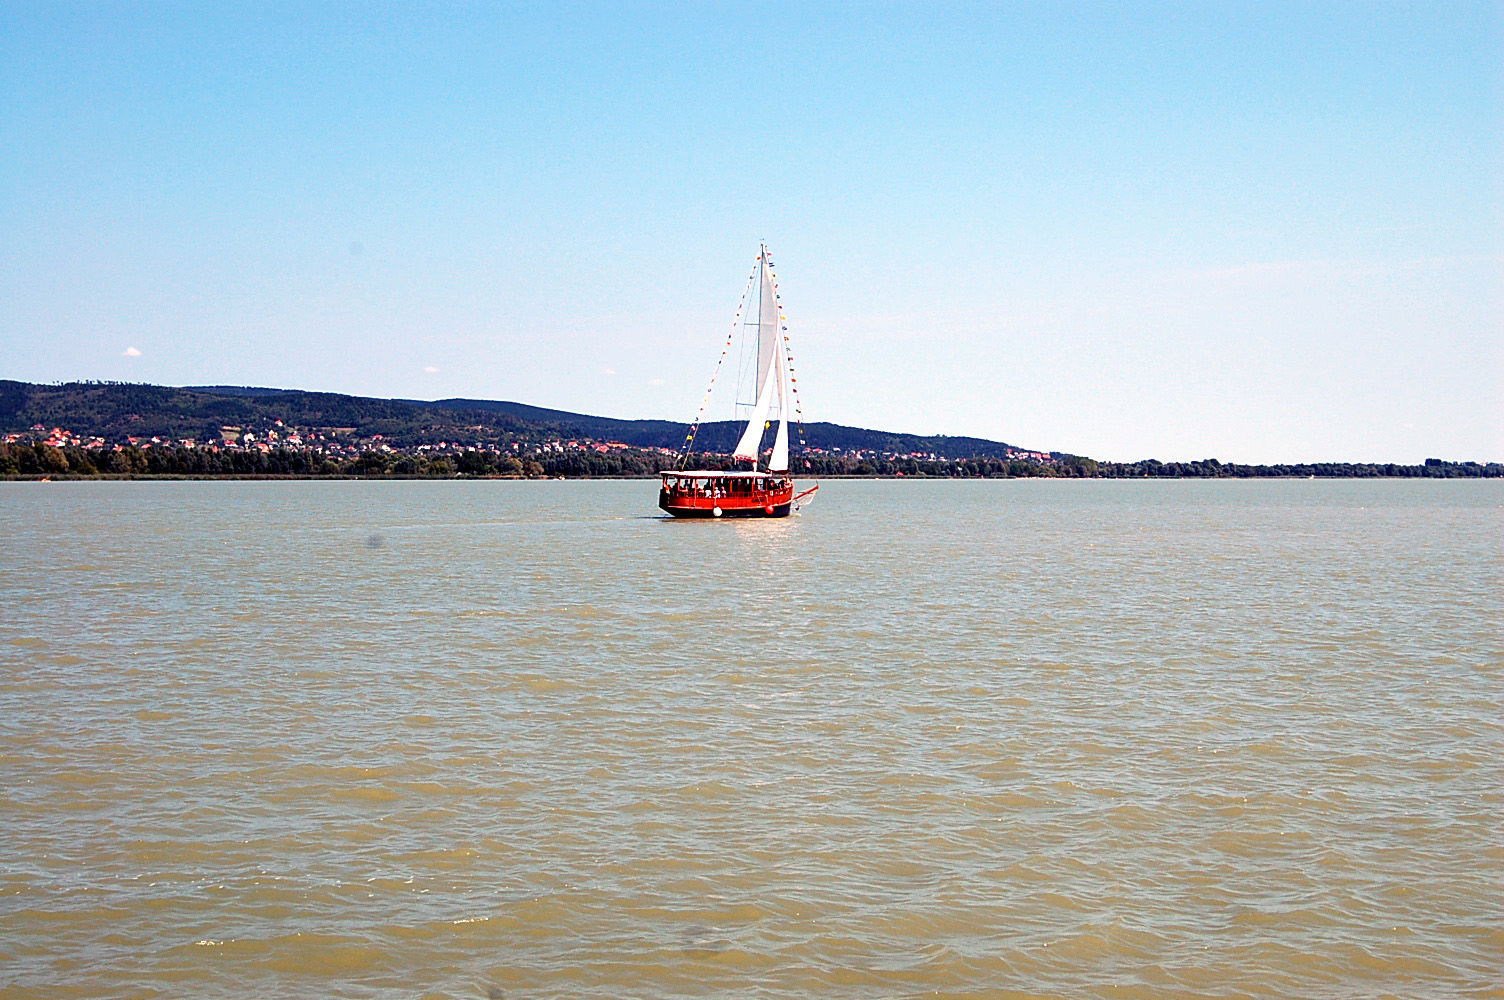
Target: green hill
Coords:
[[117, 410]]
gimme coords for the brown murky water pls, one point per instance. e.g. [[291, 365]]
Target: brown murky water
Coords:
[[966, 740]]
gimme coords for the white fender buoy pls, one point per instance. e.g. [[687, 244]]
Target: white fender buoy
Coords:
[[716, 511]]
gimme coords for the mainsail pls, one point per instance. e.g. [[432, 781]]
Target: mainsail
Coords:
[[772, 380]]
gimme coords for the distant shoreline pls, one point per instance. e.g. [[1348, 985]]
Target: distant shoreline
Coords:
[[111, 477]]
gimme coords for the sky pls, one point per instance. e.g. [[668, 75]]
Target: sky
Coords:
[[1262, 232]]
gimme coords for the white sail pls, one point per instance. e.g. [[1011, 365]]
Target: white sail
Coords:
[[779, 460], [772, 380], [767, 323], [751, 440]]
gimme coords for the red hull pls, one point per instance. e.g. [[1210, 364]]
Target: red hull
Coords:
[[726, 495], [774, 510]]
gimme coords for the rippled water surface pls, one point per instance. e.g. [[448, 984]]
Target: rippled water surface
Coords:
[[966, 740]]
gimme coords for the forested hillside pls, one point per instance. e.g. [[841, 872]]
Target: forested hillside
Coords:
[[116, 410]]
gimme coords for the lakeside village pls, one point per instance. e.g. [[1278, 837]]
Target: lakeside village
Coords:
[[279, 449], [334, 442]]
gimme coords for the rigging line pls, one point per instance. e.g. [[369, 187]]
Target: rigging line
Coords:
[[788, 357], [750, 347], [694, 429], [743, 346]]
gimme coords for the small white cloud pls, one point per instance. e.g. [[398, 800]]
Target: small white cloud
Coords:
[[608, 371], [130, 352], [430, 369], [656, 381]]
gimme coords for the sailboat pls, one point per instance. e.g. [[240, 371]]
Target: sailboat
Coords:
[[761, 490]]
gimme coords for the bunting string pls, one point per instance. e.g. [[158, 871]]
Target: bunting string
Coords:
[[694, 428], [788, 356]]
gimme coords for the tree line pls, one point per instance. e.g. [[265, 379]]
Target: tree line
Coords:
[[40, 460]]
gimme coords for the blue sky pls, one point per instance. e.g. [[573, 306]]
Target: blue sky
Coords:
[[1260, 232]]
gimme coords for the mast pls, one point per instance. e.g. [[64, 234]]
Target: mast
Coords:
[[772, 377], [767, 318]]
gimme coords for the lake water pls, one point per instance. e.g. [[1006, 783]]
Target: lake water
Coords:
[[968, 740]]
